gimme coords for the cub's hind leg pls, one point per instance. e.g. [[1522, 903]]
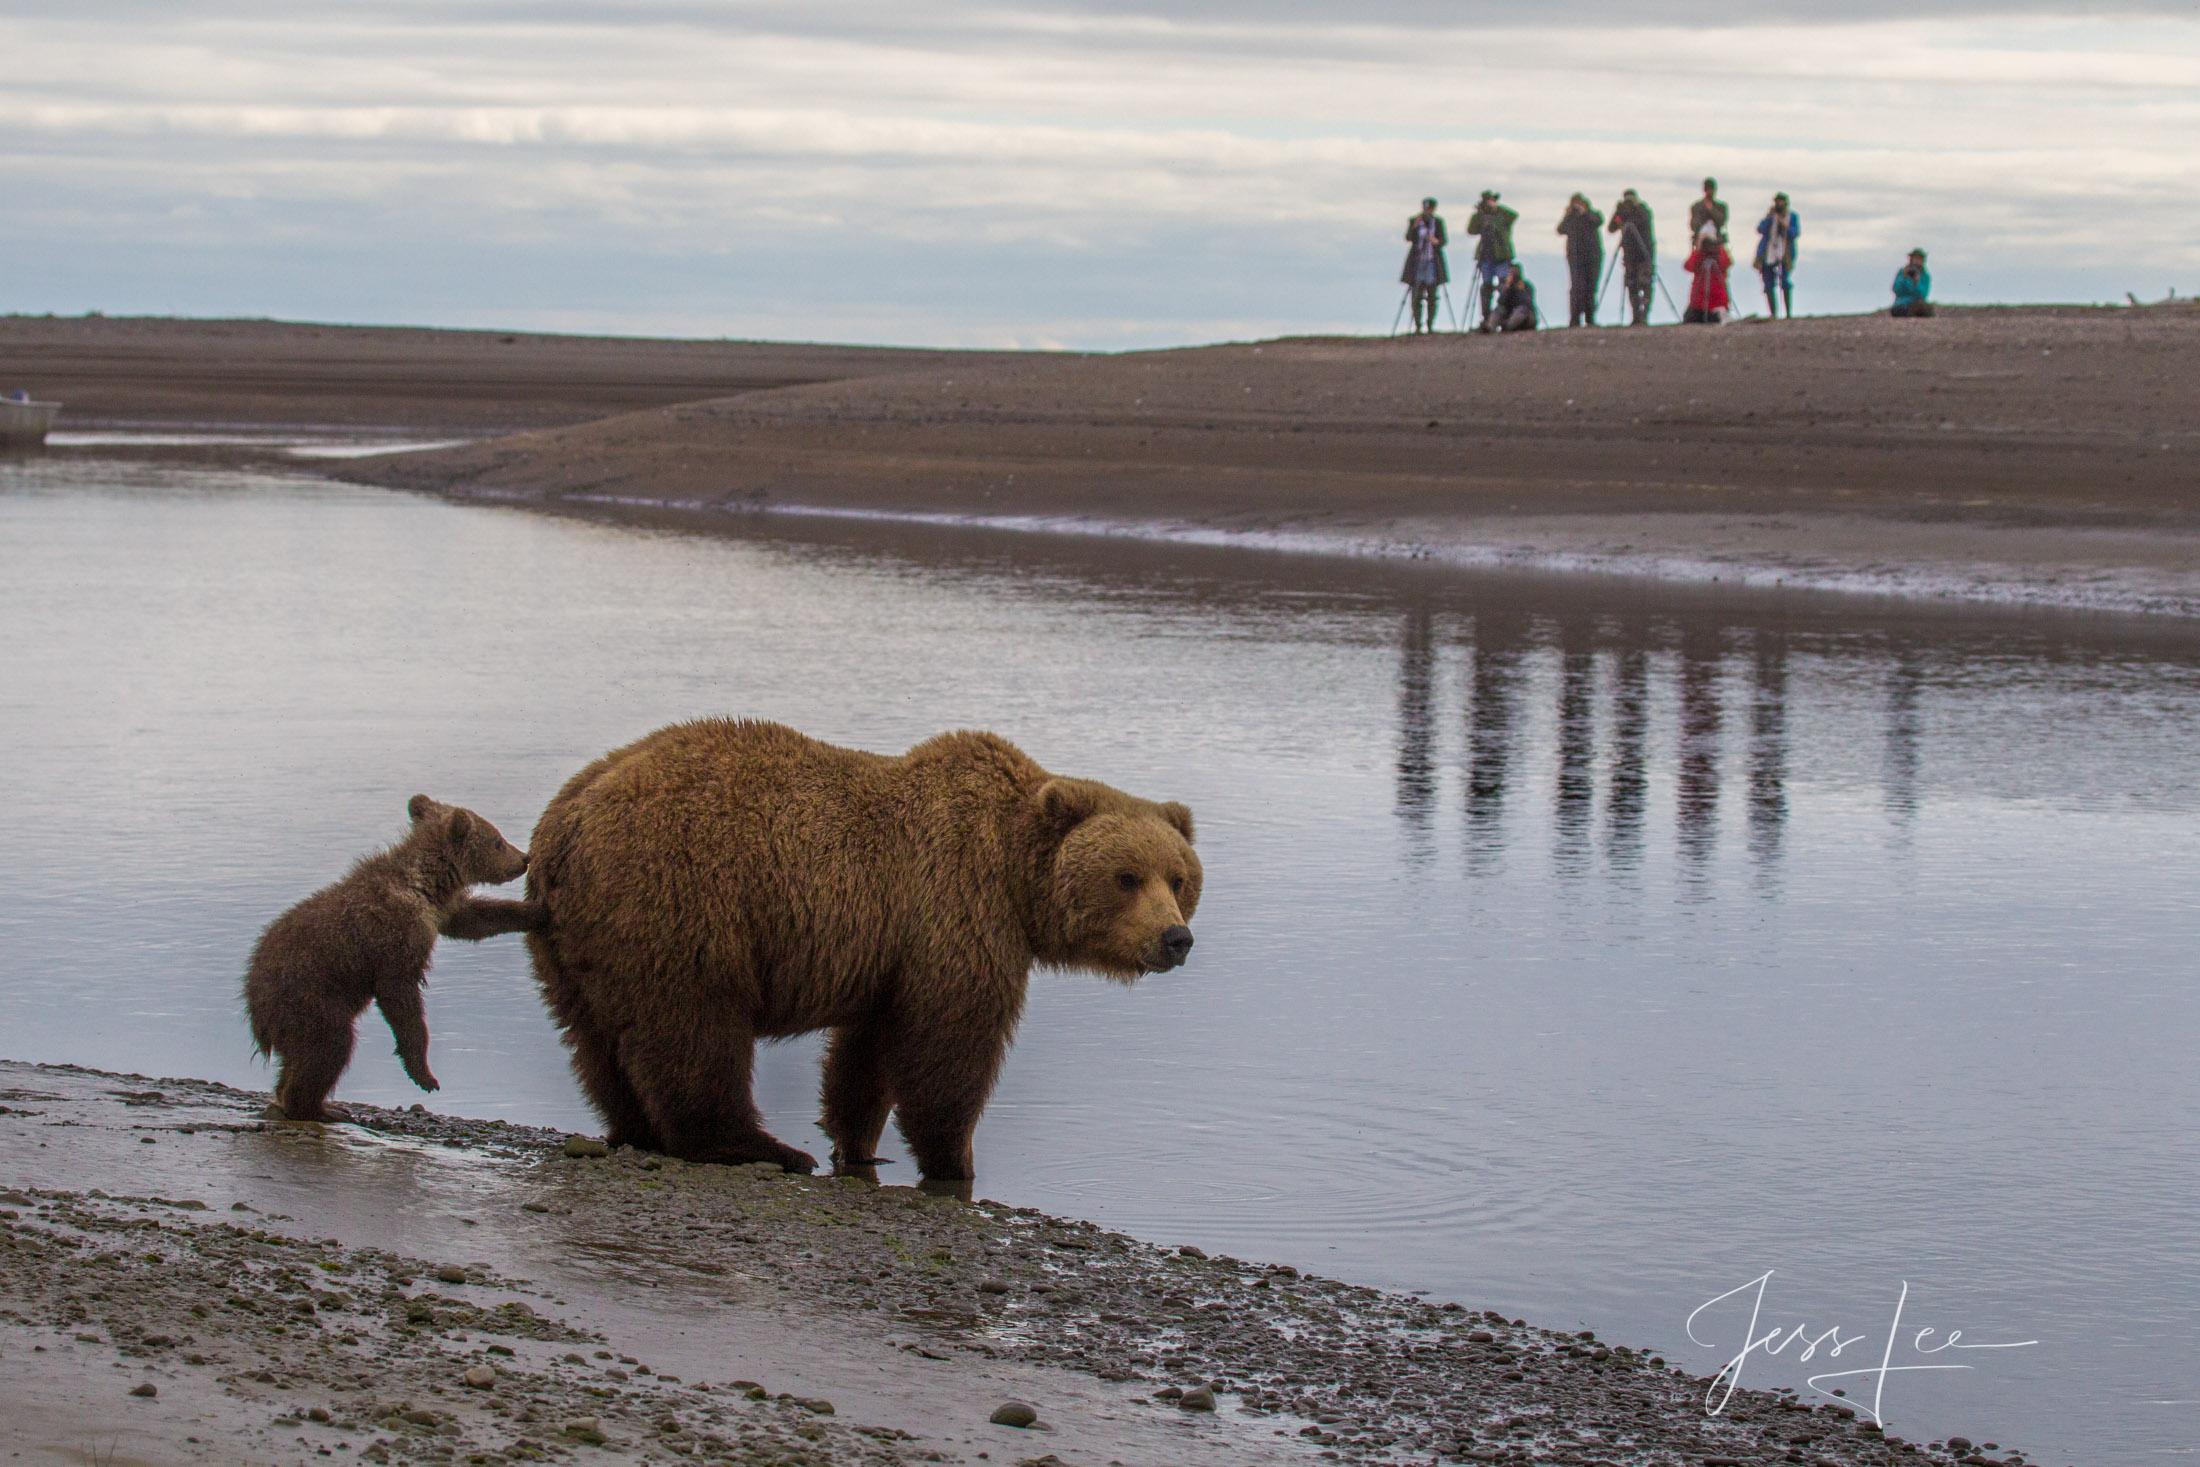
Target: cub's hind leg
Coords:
[[313, 1060]]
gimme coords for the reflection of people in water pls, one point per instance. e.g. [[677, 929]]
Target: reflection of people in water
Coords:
[[1417, 724], [1696, 793], [1768, 749], [1627, 776], [1494, 695], [1577, 732], [1600, 666]]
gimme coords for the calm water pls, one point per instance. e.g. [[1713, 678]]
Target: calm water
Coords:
[[1578, 950]]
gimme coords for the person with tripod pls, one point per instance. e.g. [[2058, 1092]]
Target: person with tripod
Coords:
[[1638, 257], [1583, 227], [1425, 273], [1777, 233], [1708, 301], [1493, 252]]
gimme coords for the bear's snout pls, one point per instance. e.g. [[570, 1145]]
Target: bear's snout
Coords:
[[1174, 946]]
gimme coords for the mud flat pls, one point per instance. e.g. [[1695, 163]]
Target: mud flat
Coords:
[[2035, 455], [2032, 455], [162, 372], [182, 1281]]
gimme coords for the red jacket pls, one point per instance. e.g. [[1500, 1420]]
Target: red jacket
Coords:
[[1707, 293]]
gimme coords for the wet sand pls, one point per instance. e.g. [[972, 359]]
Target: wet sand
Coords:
[[2035, 455], [2039, 455], [183, 1281]]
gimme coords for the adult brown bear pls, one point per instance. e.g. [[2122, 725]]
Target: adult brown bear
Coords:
[[724, 881]]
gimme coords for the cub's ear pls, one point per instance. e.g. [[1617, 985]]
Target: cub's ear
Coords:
[[419, 807], [461, 826], [1066, 802], [1179, 816]]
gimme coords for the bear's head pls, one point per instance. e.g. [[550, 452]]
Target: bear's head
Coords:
[[1125, 880], [476, 847]]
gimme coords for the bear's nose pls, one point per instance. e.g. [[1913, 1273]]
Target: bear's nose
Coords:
[[1177, 942]]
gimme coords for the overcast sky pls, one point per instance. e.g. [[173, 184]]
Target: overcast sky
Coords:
[[1062, 174]]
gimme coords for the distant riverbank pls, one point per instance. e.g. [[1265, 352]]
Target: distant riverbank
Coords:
[[2029, 455]]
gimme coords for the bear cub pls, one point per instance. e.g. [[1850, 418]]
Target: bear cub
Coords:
[[368, 938]]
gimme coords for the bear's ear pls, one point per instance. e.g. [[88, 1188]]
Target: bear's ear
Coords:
[[1179, 816], [1065, 803], [419, 807], [461, 826]]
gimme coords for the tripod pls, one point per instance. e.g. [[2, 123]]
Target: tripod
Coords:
[[1657, 277], [1450, 316]]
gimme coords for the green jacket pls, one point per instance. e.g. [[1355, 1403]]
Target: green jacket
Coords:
[[1494, 222]]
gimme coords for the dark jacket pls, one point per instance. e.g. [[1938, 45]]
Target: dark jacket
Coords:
[[1584, 238], [1706, 211], [1413, 239], [1494, 222], [1514, 294], [1637, 214]]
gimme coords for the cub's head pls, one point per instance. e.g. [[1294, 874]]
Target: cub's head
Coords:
[[478, 848], [1125, 880]]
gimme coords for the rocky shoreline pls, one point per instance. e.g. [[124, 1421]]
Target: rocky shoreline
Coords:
[[169, 1281]]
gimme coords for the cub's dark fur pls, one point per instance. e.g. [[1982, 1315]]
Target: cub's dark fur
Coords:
[[367, 939]]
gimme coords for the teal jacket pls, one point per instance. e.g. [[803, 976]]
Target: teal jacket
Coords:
[[1909, 291]]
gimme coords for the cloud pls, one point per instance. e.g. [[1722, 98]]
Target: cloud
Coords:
[[1070, 172]]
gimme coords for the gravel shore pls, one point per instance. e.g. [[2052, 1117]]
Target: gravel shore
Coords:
[[181, 1280]]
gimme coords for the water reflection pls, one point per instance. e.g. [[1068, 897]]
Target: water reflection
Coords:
[[1572, 1097], [1767, 750], [1417, 733], [1574, 806], [1628, 780], [1900, 779], [1497, 643], [1696, 790], [1602, 678]]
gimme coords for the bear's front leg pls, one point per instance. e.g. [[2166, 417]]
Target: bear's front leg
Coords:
[[941, 1081], [856, 1098], [486, 917], [406, 1013]]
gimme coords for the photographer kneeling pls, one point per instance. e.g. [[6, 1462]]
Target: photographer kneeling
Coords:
[[1514, 309]]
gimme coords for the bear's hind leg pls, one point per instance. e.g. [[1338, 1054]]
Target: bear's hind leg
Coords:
[[856, 1098], [312, 1064], [695, 1086], [626, 1120]]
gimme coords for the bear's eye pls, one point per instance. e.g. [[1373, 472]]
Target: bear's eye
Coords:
[[1176, 885], [1127, 880]]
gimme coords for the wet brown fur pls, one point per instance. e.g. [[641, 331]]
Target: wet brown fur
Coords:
[[721, 882], [367, 939]]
